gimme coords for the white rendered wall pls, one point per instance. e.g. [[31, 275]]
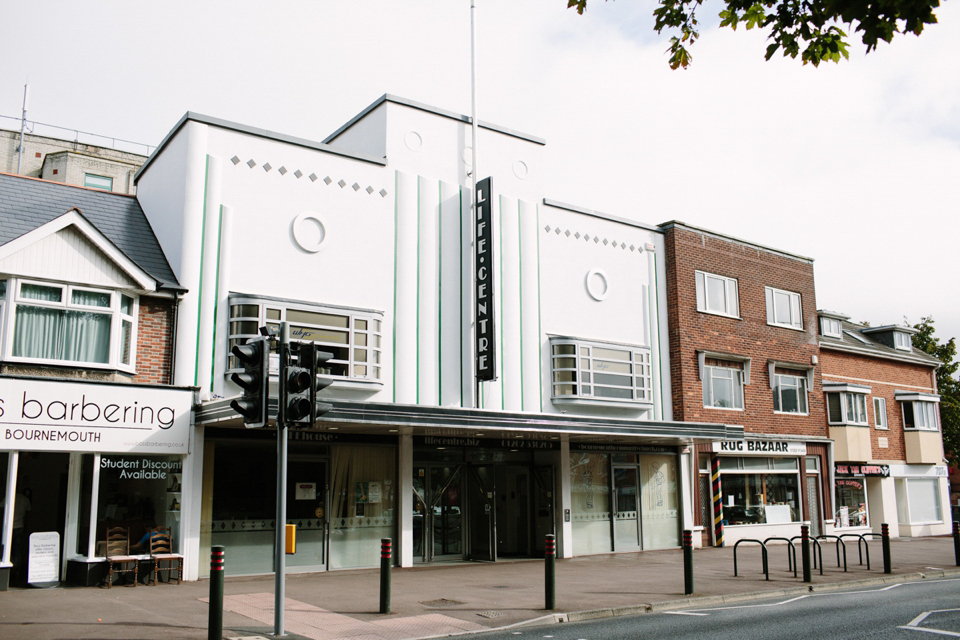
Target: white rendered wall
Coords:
[[368, 136]]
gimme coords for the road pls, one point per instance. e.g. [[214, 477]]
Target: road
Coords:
[[909, 611]]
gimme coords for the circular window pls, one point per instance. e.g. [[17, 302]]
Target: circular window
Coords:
[[309, 232], [597, 285]]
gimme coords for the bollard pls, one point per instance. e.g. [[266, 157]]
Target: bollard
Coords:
[[215, 619], [956, 542], [687, 562], [805, 551], [550, 572], [386, 555], [885, 541]]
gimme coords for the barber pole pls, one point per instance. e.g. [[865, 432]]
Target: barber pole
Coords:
[[717, 501]]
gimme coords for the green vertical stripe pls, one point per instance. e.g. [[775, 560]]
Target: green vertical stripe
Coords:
[[539, 316], [656, 298], [203, 244], [520, 270], [216, 301], [396, 251]]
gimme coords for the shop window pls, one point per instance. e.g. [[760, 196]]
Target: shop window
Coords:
[[851, 503], [919, 415], [760, 498], [789, 394], [717, 295], [138, 492], [98, 182], [723, 386], [918, 500], [60, 324], [363, 497], [590, 502], [880, 413], [784, 308], [847, 408], [600, 372], [354, 337]]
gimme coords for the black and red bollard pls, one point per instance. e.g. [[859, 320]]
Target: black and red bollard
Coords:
[[386, 559], [805, 552], [687, 562], [885, 541], [550, 573], [956, 542], [215, 619]]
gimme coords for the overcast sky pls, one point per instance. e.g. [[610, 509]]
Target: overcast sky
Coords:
[[856, 165]]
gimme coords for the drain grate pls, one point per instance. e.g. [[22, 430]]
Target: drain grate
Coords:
[[442, 602], [491, 614]]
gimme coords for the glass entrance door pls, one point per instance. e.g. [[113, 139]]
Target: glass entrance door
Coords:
[[307, 508], [626, 509], [482, 520], [543, 505], [438, 513]]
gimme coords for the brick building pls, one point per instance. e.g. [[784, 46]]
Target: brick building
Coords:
[[743, 351], [883, 417], [87, 316]]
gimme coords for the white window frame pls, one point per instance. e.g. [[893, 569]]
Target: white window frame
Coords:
[[902, 341], [925, 415], [846, 397], [730, 302], [800, 383], [880, 413], [117, 317], [577, 384], [736, 379], [272, 312], [96, 177], [795, 313], [905, 509], [835, 330]]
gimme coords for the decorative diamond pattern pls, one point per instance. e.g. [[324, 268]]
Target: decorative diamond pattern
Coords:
[[283, 171], [267, 167], [356, 187], [383, 193], [235, 160], [567, 233], [313, 177], [342, 183], [298, 173], [327, 180], [548, 229], [369, 189], [251, 163]]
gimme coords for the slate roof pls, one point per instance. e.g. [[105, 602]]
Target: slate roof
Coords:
[[868, 345], [29, 203]]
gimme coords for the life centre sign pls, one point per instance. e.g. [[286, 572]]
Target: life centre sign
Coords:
[[56, 415]]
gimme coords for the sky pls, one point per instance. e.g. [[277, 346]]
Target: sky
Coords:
[[856, 165]]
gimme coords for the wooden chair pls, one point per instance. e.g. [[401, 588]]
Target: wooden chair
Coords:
[[118, 554], [161, 550]]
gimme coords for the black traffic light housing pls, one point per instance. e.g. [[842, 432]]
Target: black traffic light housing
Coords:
[[300, 385], [254, 380]]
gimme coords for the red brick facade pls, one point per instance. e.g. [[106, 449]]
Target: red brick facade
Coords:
[[749, 336], [155, 330], [883, 377]]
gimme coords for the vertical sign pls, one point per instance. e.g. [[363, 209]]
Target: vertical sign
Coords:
[[483, 263]]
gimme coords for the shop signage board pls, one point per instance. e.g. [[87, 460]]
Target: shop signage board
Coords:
[[764, 447], [862, 470], [485, 443], [43, 562], [55, 415], [483, 281], [622, 448]]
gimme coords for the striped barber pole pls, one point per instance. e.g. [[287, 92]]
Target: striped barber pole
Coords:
[[717, 500]]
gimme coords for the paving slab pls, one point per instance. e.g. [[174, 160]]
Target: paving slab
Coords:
[[450, 599]]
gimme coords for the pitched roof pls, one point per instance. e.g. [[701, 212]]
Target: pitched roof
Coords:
[[857, 340], [29, 203]]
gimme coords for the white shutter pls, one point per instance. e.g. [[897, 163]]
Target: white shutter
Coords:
[[701, 292], [796, 314], [769, 293], [733, 302]]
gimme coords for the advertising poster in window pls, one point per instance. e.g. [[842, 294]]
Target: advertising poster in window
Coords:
[[42, 415]]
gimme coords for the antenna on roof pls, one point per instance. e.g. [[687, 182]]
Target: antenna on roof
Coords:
[[23, 124]]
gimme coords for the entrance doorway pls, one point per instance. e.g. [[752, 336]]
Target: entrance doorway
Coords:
[[42, 479], [480, 511], [308, 506]]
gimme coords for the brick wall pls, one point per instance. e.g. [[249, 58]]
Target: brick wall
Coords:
[[883, 377], [155, 341], [754, 268]]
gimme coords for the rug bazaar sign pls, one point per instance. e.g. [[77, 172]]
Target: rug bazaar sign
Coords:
[[42, 415]]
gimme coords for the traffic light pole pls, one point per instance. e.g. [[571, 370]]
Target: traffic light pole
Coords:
[[280, 560]]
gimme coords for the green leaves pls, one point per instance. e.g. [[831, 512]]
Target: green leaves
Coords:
[[808, 28], [947, 384]]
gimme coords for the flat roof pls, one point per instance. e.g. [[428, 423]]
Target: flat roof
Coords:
[[677, 223]]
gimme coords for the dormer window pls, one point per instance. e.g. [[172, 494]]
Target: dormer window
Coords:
[[831, 328], [902, 341]]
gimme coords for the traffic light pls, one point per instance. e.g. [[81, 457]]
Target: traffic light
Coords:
[[254, 380], [301, 385]]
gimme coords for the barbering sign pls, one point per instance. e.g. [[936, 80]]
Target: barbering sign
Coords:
[[42, 415], [862, 470], [483, 263]]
